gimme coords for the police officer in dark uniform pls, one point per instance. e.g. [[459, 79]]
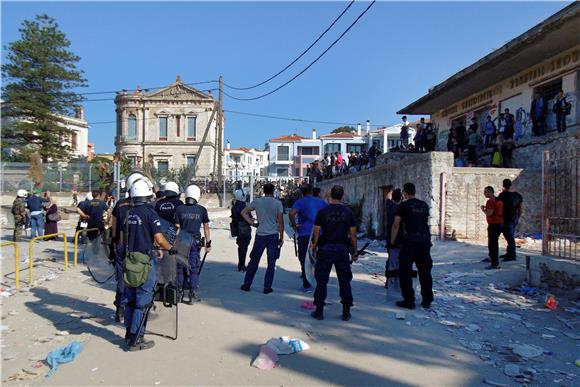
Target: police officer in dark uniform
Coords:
[[190, 217], [142, 228], [94, 212], [333, 238], [118, 220], [242, 228], [413, 215], [166, 206]]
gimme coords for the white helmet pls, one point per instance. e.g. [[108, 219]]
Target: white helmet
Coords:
[[133, 178], [21, 193], [172, 187], [240, 195], [193, 192], [89, 196], [140, 189]]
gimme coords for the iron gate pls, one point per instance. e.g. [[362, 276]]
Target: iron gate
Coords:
[[561, 204]]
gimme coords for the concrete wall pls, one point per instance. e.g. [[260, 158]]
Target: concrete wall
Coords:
[[464, 218], [453, 194], [395, 169]]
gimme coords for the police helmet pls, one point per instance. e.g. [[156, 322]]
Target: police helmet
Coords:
[[141, 191], [192, 193], [171, 189], [21, 193], [132, 178], [240, 195]]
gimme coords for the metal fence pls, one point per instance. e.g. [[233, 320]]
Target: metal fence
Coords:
[[56, 177], [561, 204]]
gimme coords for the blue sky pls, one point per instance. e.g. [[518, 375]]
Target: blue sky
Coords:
[[391, 57]]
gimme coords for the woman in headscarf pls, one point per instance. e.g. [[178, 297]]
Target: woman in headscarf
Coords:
[[52, 218]]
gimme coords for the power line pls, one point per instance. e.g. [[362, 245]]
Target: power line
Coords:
[[307, 67], [268, 116], [299, 56]]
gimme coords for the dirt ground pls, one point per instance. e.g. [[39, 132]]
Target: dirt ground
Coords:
[[479, 324]]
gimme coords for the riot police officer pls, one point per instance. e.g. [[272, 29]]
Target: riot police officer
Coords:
[[333, 239], [189, 218], [118, 219], [19, 213], [243, 232], [166, 206], [413, 215], [141, 229]]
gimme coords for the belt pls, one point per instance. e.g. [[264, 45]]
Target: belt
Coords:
[[35, 212]]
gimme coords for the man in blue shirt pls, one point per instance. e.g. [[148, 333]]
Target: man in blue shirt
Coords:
[[142, 228], [306, 208], [35, 205], [189, 218], [94, 212]]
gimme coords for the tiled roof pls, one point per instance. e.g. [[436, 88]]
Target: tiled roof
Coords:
[[338, 135], [291, 138]]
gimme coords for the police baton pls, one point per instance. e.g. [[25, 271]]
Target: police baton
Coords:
[[361, 251], [202, 262], [295, 245]]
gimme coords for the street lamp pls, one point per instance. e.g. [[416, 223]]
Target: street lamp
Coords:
[[236, 165]]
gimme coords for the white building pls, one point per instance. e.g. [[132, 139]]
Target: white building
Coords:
[[171, 127], [243, 162], [393, 133], [79, 140]]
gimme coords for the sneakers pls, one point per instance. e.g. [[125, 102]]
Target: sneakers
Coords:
[[492, 267], [508, 259], [192, 298], [307, 289], [268, 290], [405, 304], [486, 259], [245, 288]]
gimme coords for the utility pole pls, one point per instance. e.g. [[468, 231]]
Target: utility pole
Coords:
[[220, 137]]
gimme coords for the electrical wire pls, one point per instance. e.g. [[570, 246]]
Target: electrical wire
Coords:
[[298, 57], [268, 116], [307, 67]]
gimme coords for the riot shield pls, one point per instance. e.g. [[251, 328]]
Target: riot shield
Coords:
[[96, 258], [163, 315]]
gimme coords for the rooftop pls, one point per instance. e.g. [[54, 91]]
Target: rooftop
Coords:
[[291, 138], [552, 36]]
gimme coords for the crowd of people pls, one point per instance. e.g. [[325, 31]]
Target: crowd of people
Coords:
[[335, 164]]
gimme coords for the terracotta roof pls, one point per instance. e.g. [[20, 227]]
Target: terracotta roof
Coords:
[[291, 138], [241, 149], [338, 135]]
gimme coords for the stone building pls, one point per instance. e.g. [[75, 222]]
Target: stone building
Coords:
[[172, 127]]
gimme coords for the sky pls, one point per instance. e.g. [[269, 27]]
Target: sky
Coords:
[[396, 52]]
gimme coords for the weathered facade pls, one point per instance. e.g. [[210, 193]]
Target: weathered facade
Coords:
[[172, 127], [544, 60]]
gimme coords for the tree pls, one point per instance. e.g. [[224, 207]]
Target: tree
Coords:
[[36, 172], [344, 129], [40, 74]]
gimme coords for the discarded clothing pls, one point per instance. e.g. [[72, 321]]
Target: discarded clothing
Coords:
[[62, 355], [268, 356]]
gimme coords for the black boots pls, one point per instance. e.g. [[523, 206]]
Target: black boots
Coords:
[[345, 313], [318, 313], [135, 343], [192, 297]]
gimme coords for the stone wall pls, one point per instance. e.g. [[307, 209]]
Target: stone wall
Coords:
[[393, 170], [453, 194], [464, 218]]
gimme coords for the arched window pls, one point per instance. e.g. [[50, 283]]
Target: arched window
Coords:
[[132, 127]]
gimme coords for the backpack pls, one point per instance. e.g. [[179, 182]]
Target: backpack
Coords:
[[137, 265]]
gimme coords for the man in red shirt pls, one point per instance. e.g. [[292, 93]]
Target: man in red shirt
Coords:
[[493, 210]]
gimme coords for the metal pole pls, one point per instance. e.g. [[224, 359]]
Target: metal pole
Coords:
[[224, 197], [251, 188]]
